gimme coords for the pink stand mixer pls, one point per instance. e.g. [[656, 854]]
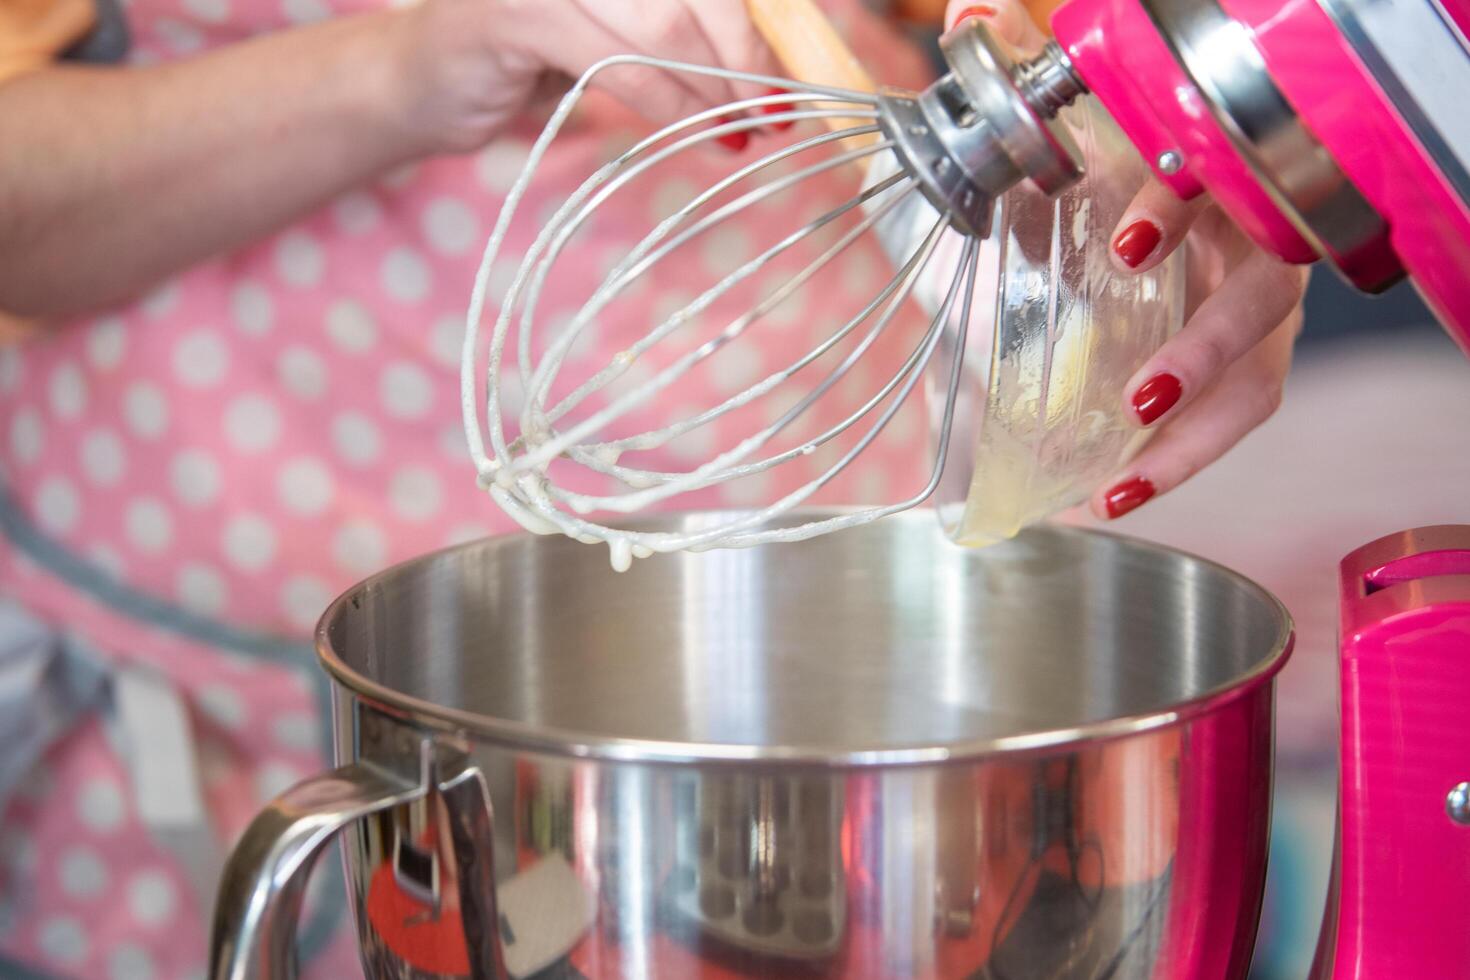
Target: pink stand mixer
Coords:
[[1396, 905], [1327, 129]]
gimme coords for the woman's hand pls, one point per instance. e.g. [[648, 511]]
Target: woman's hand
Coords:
[[1220, 376], [470, 65]]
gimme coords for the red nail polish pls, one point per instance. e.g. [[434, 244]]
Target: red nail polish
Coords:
[[977, 10], [1137, 242], [1128, 495], [776, 107], [736, 141], [1156, 396]]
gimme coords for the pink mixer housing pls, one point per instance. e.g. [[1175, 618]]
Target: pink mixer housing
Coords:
[[1117, 49]]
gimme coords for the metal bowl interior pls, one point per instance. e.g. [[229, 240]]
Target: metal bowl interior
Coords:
[[885, 644]]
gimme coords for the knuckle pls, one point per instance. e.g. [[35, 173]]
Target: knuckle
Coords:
[[1211, 353]]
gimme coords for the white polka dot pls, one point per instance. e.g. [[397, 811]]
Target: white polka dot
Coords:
[[63, 940], [151, 898], [302, 373], [195, 476], [222, 705], [789, 312], [180, 38], [103, 458], [446, 340], [252, 308], [351, 326], [629, 288], [452, 442], [303, 600], [100, 805], [502, 274], [297, 731], [748, 491], [161, 301], [210, 11], [149, 525], [18, 851], [252, 423], [304, 486], [249, 542], [669, 303], [355, 439], [465, 533], [406, 390], [82, 873], [11, 368], [450, 227], [299, 259], [696, 445], [669, 196], [500, 163], [305, 11], [106, 342], [870, 486], [415, 493], [357, 213], [360, 548], [68, 391], [201, 359], [725, 248], [551, 206], [146, 410], [201, 589], [129, 962], [735, 367], [273, 779], [57, 505], [405, 275], [108, 560], [26, 435]]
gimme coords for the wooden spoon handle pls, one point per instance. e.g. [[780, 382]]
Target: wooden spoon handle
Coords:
[[811, 51]]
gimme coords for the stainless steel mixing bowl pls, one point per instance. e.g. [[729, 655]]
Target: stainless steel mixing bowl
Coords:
[[873, 754]]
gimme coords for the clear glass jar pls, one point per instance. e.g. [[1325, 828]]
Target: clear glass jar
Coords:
[[1039, 421]]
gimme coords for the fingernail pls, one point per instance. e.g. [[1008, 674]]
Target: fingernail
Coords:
[[1137, 242], [1128, 495], [736, 141], [1156, 396], [977, 10], [776, 107]]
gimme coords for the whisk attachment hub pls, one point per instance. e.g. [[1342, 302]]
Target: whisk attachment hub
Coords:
[[987, 125]]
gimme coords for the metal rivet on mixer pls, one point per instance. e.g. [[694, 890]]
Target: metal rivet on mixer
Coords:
[[1457, 804], [1169, 162]]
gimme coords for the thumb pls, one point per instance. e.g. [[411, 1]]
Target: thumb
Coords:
[[1007, 19]]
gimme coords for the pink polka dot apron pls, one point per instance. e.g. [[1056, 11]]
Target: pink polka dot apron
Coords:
[[190, 478]]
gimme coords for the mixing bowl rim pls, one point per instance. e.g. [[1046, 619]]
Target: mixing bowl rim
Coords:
[[567, 742]]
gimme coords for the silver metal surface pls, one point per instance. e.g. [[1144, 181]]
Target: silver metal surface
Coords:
[[1170, 161], [1421, 61], [987, 125], [1457, 804], [868, 754], [1289, 163]]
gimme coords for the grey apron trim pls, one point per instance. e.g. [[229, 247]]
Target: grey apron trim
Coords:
[[317, 931]]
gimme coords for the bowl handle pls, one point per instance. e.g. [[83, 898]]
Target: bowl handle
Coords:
[[265, 878]]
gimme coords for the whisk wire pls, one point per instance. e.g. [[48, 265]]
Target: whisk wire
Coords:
[[516, 471]]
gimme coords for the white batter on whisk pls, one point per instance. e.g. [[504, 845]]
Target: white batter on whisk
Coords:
[[931, 261]]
